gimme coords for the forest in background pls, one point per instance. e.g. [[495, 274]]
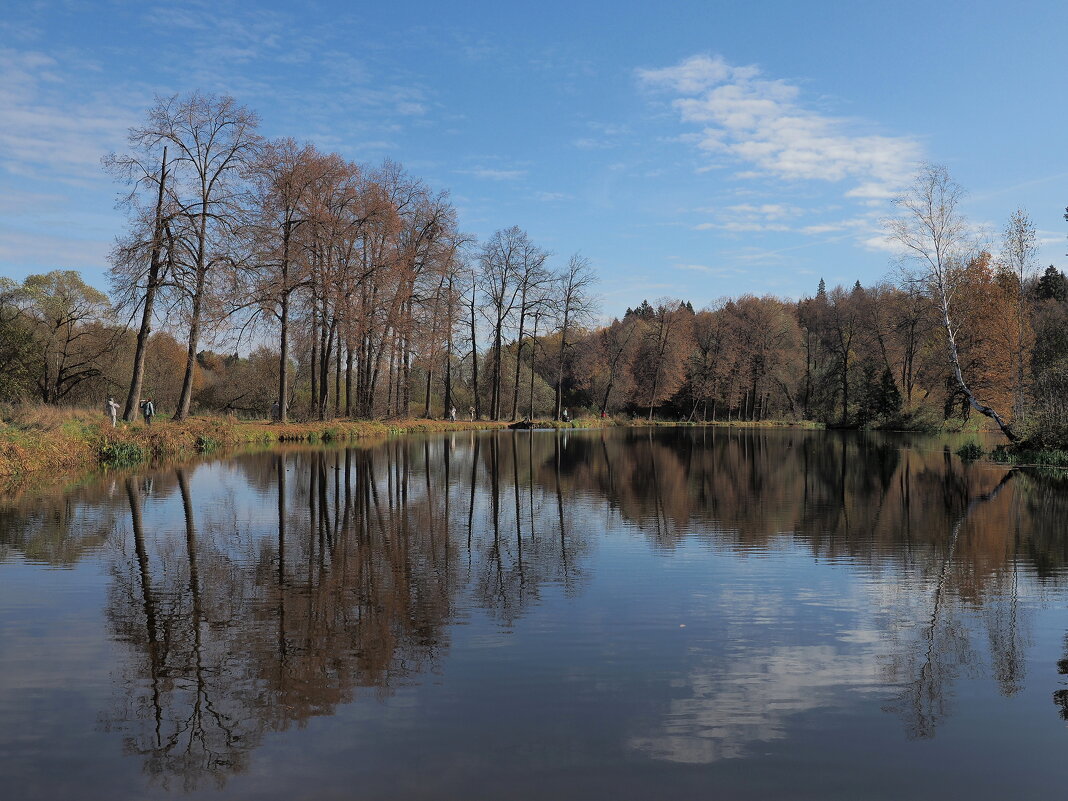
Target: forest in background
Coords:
[[257, 272]]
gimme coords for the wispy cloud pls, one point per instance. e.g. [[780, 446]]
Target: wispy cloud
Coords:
[[601, 136], [37, 252], [738, 226], [494, 175], [704, 268], [763, 122], [44, 131]]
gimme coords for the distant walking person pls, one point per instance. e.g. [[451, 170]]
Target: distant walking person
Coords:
[[276, 412], [148, 408], [112, 410], [567, 416], [471, 410], [452, 414]]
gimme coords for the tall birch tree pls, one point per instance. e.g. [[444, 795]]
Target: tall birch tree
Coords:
[[938, 241]]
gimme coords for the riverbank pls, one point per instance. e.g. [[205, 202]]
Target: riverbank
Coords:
[[75, 443], [43, 440]]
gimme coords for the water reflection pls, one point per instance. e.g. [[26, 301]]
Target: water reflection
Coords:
[[236, 633], [253, 595]]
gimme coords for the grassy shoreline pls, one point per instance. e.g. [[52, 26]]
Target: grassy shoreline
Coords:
[[44, 440], [76, 443]]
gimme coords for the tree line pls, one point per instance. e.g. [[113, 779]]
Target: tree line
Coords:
[[354, 282], [353, 292], [963, 327]]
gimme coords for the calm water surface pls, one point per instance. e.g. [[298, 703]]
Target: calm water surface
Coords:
[[619, 614]]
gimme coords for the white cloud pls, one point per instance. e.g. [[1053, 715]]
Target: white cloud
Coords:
[[704, 268], [737, 226], [587, 143], [762, 122], [38, 251], [43, 132], [726, 713], [749, 217], [494, 175], [883, 243]]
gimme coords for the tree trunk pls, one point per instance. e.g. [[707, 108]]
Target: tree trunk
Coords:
[[533, 360], [348, 378], [314, 358], [560, 367], [186, 395], [134, 396], [337, 379], [283, 334], [954, 358], [447, 401], [498, 337], [426, 400], [518, 357], [845, 390], [474, 360]]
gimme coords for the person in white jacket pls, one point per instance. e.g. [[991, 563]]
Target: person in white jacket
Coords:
[[112, 410]]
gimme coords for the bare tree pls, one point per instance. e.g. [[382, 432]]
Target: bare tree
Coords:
[[499, 269], [533, 280], [215, 143], [129, 256], [575, 306], [1019, 253], [937, 239]]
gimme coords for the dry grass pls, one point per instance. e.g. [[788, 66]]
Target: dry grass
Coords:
[[39, 417], [36, 438]]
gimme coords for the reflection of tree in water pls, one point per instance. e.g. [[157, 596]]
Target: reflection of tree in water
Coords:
[[944, 536], [1050, 547], [185, 704], [59, 534], [943, 648], [335, 571], [1060, 697], [233, 635]]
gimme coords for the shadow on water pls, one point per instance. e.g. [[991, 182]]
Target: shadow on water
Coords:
[[327, 574]]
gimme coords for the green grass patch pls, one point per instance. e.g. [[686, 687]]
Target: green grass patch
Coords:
[[206, 444], [1006, 454], [971, 451], [121, 454]]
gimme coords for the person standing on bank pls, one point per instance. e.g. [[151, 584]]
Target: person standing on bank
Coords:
[[148, 408], [112, 410]]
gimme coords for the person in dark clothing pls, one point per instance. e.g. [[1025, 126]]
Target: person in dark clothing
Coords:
[[148, 408]]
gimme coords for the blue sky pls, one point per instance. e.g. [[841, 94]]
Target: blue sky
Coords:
[[688, 149]]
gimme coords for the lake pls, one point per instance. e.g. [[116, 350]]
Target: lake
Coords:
[[603, 614]]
